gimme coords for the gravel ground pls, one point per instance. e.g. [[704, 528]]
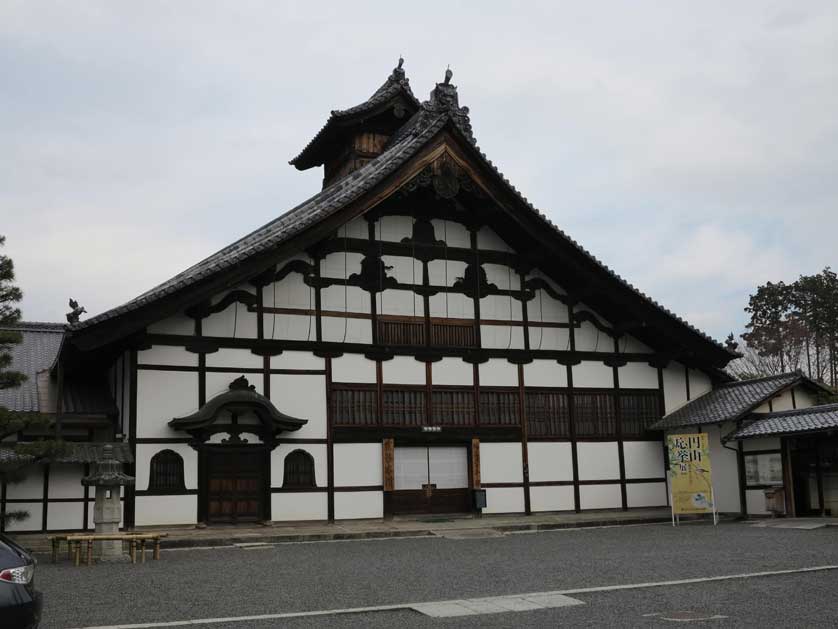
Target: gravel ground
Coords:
[[190, 584]]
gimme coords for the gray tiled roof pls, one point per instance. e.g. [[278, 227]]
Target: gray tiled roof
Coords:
[[727, 402], [405, 143], [811, 419], [36, 352], [397, 83], [76, 453]]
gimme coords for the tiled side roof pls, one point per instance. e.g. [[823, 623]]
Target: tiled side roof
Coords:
[[77, 453], [36, 352], [422, 126], [727, 402], [811, 419]]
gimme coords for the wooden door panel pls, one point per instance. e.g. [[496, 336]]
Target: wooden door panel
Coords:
[[235, 485]]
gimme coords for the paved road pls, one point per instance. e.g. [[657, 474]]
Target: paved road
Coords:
[[193, 584]]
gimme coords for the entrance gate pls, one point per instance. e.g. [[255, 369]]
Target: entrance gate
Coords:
[[236, 484], [430, 480]]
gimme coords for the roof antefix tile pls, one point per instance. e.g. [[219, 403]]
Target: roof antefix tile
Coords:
[[430, 118]]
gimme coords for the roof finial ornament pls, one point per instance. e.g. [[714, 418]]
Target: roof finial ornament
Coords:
[[448, 75], [401, 62], [76, 312]]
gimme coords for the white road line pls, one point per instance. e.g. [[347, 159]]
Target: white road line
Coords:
[[516, 602]]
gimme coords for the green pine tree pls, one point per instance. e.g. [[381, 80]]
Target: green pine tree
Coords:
[[16, 457]]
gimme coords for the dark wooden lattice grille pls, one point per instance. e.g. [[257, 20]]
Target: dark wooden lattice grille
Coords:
[[166, 472], [594, 414], [452, 406], [404, 406], [499, 407], [354, 405], [403, 332], [299, 470], [638, 410], [548, 413], [453, 333], [411, 332]]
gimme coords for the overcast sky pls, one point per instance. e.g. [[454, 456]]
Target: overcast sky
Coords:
[[693, 147]]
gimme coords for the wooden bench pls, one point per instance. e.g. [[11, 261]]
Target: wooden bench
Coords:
[[75, 541]]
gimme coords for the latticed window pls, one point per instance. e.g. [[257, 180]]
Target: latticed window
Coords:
[[166, 473], [594, 414], [299, 470], [638, 410], [548, 413]]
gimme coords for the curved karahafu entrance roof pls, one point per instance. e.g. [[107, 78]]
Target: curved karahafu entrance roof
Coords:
[[239, 400]]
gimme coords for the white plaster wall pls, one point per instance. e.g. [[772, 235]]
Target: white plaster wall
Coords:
[[345, 330], [549, 460], [299, 506], [502, 275], [699, 383], [600, 497], [803, 398], [353, 368], [501, 307], [65, 515], [593, 374], [164, 395], [340, 265], [400, 302], [763, 443], [359, 504], [646, 495], [30, 486], [65, 480], [451, 305], [166, 510], [344, 299], [724, 471], [674, 387], [644, 459], [498, 372], [33, 522], [234, 321], [147, 450], [454, 234], [404, 269], [403, 370], [488, 239], [291, 292], [755, 501], [394, 228], [590, 339], [356, 228], [501, 463], [504, 500], [452, 371], [317, 452], [631, 345], [638, 376], [297, 360], [302, 396], [358, 464], [545, 373], [177, 324], [441, 273], [551, 498], [239, 358], [167, 355], [501, 337], [598, 460], [549, 338], [291, 327]]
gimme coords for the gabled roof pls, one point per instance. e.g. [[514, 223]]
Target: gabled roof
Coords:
[[442, 111], [34, 356], [36, 352], [731, 401], [397, 85], [803, 420]]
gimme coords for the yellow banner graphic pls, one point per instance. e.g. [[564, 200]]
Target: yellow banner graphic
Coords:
[[689, 463]]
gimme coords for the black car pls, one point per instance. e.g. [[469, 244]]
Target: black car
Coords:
[[20, 602]]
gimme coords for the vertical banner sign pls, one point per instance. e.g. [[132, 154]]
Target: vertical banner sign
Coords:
[[689, 465]]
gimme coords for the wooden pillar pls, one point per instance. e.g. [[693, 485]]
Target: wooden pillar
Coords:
[[618, 417], [571, 412], [525, 458], [740, 464], [330, 446]]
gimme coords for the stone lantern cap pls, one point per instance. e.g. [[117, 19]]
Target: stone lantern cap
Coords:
[[108, 471]]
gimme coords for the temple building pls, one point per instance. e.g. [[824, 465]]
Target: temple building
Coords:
[[413, 332]]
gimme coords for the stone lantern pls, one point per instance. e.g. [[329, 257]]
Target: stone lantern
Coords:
[[107, 510]]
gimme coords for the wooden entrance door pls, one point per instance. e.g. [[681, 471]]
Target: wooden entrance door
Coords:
[[430, 480], [235, 484]]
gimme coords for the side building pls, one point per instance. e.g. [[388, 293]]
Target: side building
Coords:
[[413, 332]]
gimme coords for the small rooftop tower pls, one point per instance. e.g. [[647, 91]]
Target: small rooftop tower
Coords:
[[352, 137]]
